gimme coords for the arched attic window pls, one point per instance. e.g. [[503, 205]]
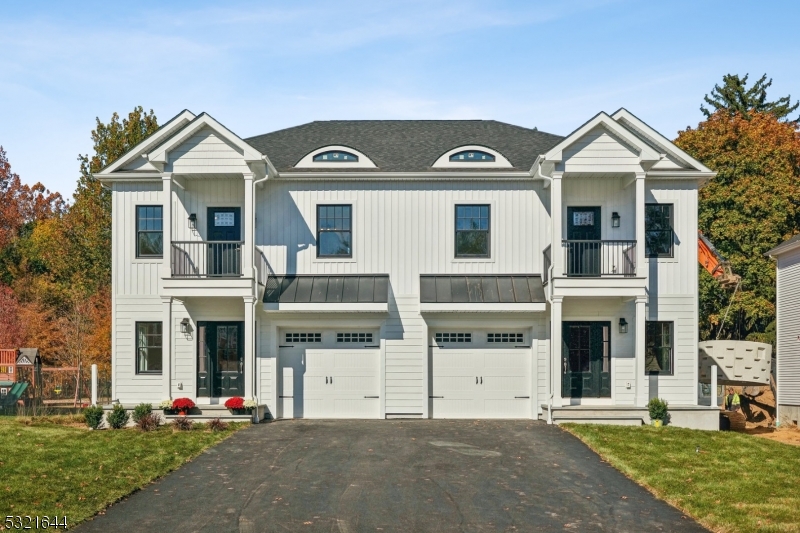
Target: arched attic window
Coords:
[[472, 156], [336, 156]]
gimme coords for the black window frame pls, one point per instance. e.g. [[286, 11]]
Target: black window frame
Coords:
[[488, 232], [667, 229], [318, 158], [454, 157], [140, 255], [320, 230], [650, 330], [139, 370]]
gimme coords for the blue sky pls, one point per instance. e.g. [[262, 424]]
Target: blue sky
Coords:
[[262, 66]]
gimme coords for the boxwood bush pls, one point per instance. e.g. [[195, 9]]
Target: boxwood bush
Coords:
[[93, 416], [118, 417], [140, 411]]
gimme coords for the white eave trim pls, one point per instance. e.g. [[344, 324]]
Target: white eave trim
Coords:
[[438, 175], [323, 307], [482, 307], [783, 248]]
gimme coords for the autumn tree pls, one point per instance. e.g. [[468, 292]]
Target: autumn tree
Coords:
[[735, 98], [11, 332], [752, 205]]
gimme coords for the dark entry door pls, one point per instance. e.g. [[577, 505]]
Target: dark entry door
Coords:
[[586, 360], [224, 224], [584, 234], [220, 359]]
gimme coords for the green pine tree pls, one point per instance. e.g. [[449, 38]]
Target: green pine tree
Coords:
[[735, 97]]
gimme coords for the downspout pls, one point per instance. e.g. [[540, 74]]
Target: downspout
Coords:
[[257, 418]]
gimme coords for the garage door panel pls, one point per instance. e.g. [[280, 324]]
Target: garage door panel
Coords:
[[512, 385], [496, 360], [356, 408], [453, 384], [454, 407], [510, 408]]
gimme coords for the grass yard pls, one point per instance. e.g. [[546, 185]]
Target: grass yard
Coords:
[[736, 483], [55, 467]]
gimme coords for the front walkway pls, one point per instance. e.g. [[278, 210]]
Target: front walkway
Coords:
[[395, 475]]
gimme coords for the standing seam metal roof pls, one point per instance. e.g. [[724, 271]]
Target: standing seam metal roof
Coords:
[[403, 145]]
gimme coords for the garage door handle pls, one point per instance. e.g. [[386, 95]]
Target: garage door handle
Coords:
[[285, 396], [371, 396], [326, 380], [476, 380], [481, 380], [523, 397], [285, 346], [435, 396]]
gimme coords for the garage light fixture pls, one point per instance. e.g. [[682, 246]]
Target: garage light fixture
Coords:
[[615, 219], [193, 221], [186, 327], [623, 325]]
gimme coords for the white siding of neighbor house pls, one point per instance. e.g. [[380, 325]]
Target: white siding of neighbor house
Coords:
[[788, 349]]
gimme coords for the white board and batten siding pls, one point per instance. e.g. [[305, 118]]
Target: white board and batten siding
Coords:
[[206, 153], [788, 352]]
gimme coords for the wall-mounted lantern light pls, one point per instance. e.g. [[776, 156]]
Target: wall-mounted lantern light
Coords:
[[615, 220], [186, 327], [623, 325], [193, 221]]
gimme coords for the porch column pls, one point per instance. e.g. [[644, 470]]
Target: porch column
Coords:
[[248, 227], [166, 224], [555, 350], [556, 209], [166, 346], [642, 383], [249, 342], [641, 258]]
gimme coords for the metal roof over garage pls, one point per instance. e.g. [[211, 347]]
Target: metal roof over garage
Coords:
[[513, 288], [327, 289]]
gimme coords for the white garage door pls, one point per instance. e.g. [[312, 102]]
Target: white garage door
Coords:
[[487, 382], [329, 382]]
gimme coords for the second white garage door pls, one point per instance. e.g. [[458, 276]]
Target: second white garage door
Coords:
[[481, 383], [329, 383]]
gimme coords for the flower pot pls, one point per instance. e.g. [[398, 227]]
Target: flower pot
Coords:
[[657, 423], [238, 411], [183, 412]]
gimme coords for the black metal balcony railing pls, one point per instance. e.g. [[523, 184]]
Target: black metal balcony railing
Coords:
[[203, 259], [589, 258], [546, 263]]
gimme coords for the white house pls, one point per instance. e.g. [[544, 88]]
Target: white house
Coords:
[[787, 368], [423, 268]]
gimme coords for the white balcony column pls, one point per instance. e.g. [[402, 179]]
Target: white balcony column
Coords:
[[556, 209], [641, 260], [248, 225], [166, 346], [556, 364], [249, 347], [166, 224], [642, 381]]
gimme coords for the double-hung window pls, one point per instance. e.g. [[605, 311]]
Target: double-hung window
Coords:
[[659, 345], [149, 231], [658, 233], [148, 347], [334, 231], [472, 230]]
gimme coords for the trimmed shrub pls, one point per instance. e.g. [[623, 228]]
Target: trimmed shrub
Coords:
[[118, 417], [93, 416], [658, 409], [141, 410], [182, 424], [148, 422], [217, 425]]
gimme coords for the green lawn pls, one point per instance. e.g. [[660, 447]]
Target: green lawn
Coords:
[[735, 483], [49, 468]]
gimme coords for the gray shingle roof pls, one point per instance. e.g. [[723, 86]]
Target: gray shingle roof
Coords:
[[404, 145]]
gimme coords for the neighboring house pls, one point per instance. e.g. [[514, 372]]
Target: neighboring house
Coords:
[[788, 332], [423, 268]]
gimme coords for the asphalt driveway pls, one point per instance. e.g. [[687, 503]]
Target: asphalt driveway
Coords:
[[394, 475]]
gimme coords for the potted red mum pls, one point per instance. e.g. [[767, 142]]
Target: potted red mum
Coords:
[[182, 406], [236, 405]]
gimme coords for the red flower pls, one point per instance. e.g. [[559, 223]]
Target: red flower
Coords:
[[236, 402], [182, 404]]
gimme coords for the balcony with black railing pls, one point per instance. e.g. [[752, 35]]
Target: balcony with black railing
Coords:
[[206, 259], [599, 258]]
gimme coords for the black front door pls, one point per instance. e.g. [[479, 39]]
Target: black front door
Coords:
[[224, 225], [586, 360], [220, 359], [584, 234]]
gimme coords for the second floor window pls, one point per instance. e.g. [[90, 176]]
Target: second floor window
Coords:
[[149, 231], [472, 231], [334, 231], [658, 230]]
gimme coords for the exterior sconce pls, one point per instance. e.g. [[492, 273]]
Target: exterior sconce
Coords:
[[193, 221], [623, 325], [186, 327], [615, 220]]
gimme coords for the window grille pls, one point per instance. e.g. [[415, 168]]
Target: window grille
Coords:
[[304, 337], [506, 337], [453, 337], [354, 337]]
